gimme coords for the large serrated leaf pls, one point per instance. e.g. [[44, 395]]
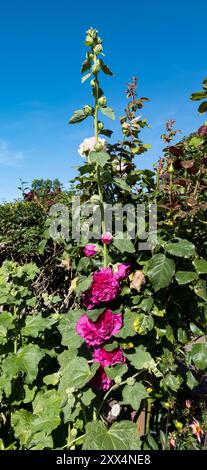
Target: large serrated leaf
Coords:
[[35, 324], [160, 271], [200, 266], [184, 277], [120, 436], [181, 248], [133, 395], [198, 355], [99, 158], [124, 245]]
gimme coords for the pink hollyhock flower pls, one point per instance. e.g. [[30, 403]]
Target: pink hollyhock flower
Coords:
[[122, 271], [188, 404], [106, 238], [90, 250], [172, 443], [196, 429], [100, 380], [104, 288], [202, 130], [108, 358], [96, 333]]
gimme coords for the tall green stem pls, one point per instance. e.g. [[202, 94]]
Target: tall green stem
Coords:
[[99, 183]]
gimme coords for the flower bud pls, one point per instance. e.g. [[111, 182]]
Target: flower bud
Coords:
[[92, 32], [171, 168], [118, 380], [102, 101], [89, 41], [98, 49], [98, 147], [100, 125], [88, 110], [96, 67], [92, 82], [91, 56]]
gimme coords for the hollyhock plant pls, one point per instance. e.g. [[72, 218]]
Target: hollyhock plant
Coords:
[[88, 145], [202, 130], [96, 333], [106, 238], [122, 271], [104, 288], [108, 358], [90, 250], [100, 381]]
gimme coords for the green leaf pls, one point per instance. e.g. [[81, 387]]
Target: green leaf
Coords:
[[191, 381], [200, 266], [171, 381], [141, 359], [26, 360], [106, 132], [199, 95], [195, 330], [88, 397], [42, 245], [180, 247], [76, 374], [160, 271], [203, 107], [117, 370], [120, 436], [105, 68], [128, 325], [143, 323], [78, 116], [83, 284], [195, 141], [134, 395], [22, 423], [182, 337], [35, 324], [85, 65], [121, 183], [124, 245], [51, 379], [170, 334], [198, 354], [6, 324], [152, 443], [99, 158], [109, 112], [184, 277], [67, 329]]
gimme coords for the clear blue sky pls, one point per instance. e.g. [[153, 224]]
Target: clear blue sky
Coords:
[[41, 50]]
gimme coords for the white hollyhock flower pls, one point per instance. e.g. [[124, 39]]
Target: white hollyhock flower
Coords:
[[87, 146]]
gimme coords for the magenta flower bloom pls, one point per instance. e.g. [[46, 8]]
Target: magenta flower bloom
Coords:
[[108, 358], [104, 288], [96, 333], [122, 271], [100, 380], [90, 250], [106, 238], [202, 130]]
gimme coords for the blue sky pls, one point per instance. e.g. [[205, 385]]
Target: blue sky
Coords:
[[41, 50]]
